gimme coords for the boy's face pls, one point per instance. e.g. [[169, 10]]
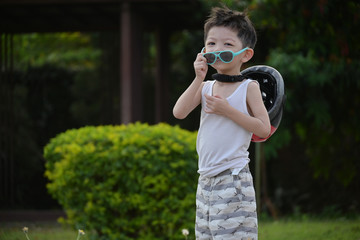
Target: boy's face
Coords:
[[220, 39]]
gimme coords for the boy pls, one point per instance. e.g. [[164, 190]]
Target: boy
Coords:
[[232, 110]]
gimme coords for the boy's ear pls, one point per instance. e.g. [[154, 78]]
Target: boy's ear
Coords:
[[249, 53]]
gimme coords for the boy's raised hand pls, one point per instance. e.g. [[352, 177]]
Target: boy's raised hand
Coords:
[[216, 105], [200, 67]]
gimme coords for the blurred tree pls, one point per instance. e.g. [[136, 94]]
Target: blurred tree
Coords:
[[42, 98], [71, 50], [315, 45], [54, 84]]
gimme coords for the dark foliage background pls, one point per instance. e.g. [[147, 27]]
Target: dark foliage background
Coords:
[[312, 160]]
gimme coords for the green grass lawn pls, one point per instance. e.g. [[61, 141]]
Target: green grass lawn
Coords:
[[37, 231], [310, 230], [268, 230]]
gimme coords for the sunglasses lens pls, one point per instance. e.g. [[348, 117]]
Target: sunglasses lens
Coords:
[[226, 56], [210, 57]]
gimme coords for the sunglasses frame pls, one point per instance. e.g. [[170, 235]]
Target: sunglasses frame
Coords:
[[217, 55]]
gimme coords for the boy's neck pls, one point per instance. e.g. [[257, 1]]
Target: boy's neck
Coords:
[[228, 78], [230, 72]]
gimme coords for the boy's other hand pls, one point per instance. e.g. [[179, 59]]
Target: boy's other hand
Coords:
[[200, 67], [216, 105]]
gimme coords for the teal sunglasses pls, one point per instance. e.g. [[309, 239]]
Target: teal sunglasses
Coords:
[[225, 56]]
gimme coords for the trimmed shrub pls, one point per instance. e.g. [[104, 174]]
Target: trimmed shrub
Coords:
[[125, 182]]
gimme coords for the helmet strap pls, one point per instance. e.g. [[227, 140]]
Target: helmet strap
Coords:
[[228, 78]]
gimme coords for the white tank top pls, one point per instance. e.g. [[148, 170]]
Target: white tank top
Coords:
[[221, 143]]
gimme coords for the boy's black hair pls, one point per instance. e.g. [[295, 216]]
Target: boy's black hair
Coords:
[[237, 21]]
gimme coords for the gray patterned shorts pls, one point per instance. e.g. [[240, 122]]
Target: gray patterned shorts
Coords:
[[226, 207]]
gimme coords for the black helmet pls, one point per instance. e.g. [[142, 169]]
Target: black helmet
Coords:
[[272, 91]]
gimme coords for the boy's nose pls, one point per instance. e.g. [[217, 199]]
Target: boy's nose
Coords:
[[215, 49]]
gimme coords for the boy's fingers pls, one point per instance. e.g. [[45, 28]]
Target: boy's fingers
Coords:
[[199, 60], [207, 96], [211, 97], [200, 57]]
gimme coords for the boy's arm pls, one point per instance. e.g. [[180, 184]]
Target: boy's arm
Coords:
[[258, 123], [191, 98]]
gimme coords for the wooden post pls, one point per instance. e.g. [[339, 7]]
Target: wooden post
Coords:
[[131, 62], [7, 167], [161, 81]]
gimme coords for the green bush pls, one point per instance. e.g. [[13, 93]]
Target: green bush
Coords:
[[125, 182]]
